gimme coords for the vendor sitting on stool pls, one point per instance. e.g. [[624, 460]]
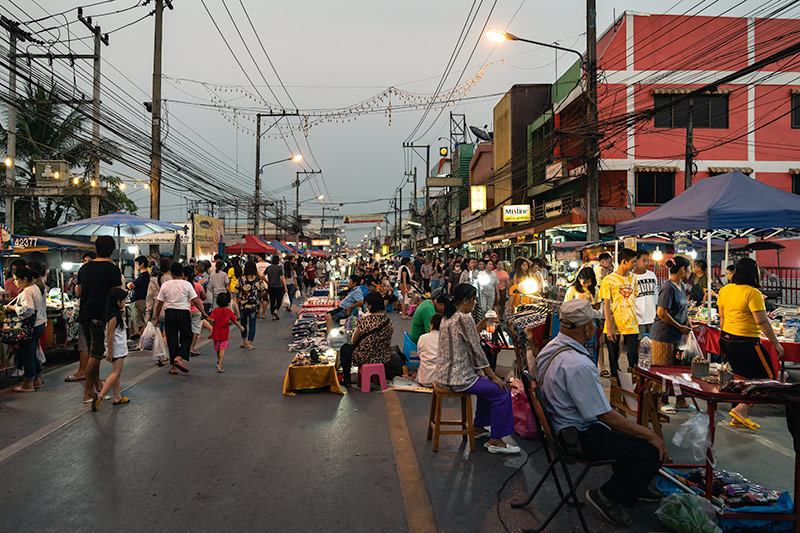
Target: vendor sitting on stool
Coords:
[[579, 411], [353, 300], [372, 339]]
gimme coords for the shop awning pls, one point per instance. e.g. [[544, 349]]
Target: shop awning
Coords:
[[606, 216], [725, 170], [24, 244], [251, 245], [278, 245]]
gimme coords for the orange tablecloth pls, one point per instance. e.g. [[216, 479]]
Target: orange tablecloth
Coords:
[[311, 377]]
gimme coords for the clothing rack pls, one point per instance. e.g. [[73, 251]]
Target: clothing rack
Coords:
[[540, 311]]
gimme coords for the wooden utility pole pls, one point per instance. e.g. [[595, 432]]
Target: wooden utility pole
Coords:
[[99, 38], [257, 196], [592, 156], [297, 199], [688, 173], [155, 135], [15, 35]]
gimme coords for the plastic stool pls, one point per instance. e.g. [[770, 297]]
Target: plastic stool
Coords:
[[367, 372]]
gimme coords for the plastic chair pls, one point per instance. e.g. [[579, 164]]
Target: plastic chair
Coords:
[[367, 372], [555, 454], [410, 346]]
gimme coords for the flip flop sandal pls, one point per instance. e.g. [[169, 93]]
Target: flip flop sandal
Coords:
[[194, 354], [220, 370], [605, 374], [173, 371], [19, 388], [746, 422], [122, 401], [72, 379], [95, 403], [690, 408], [182, 367], [668, 410], [736, 424]]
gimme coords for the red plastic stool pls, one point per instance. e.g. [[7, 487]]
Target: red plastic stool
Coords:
[[367, 372]]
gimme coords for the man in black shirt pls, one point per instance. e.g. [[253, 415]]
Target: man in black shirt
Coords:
[[139, 297], [95, 279]]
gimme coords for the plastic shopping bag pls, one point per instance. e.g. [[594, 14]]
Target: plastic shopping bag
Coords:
[[40, 353], [148, 337], [297, 294], [159, 348], [687, 513], [694, 434], [690, 347], [286, 302], [524, 423]]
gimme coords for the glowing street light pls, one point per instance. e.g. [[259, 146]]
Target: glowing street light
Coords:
[[297, 158], [8, 161], [499, 36], [657, 255]]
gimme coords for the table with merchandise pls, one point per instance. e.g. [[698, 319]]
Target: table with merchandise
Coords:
[[737, 391]]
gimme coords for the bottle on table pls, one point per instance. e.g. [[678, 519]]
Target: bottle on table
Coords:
[[645, 352]]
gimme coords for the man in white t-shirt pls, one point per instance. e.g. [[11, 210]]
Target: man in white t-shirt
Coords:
[[645, 302], [262, 264]]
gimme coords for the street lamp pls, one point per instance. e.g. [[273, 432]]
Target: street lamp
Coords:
[[296, 158], [499, 36], [257, 212]]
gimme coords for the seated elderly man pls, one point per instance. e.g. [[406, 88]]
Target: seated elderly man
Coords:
[[586, 425], [353, 300]]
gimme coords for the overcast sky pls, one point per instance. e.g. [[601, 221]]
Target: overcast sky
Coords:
[[335, 54]]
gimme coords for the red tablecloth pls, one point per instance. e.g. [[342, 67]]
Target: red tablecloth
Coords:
[[708, 339]]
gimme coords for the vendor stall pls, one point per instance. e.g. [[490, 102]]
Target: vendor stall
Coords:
[[314, 364], [59, 255], [250, 244]]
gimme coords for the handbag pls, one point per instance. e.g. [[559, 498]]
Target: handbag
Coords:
[[17, 329], [524, 422]]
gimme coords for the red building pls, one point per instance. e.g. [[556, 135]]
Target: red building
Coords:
[[752, 125]]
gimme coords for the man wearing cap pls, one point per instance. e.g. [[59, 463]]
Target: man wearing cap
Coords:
[[586, 425], [421, 321]]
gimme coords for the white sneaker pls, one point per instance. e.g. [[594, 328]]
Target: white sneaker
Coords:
[[508, 449]]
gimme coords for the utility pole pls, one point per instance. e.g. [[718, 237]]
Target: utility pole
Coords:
[[400, 235], [414, 232], [15, 35], [155, 133], [297, 199], [688, 173], [99, 38], [592, 156]]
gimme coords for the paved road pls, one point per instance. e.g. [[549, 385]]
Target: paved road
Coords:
[[211, 452]]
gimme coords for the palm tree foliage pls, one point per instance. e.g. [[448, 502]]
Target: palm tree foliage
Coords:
[[50, 130]]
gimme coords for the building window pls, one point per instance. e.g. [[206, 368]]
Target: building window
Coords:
[[796, 111], [796, 183], [708, 111], [654, 188]]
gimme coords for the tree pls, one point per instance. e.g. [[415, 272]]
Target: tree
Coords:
[[47, 129]]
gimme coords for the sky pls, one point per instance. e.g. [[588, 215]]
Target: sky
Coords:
[[329, 55]]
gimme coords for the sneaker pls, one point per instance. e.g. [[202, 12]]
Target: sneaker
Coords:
[[651, 495], [610, 510]]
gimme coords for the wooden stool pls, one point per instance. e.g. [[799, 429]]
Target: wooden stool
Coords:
[[435, 422]]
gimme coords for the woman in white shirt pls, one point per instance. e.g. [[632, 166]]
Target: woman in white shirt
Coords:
[[29, 303], [176, 297], [427, 350]]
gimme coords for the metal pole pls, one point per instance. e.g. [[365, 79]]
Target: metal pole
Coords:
[[11, 150], [257, 198], [414, 232], [400, 235], [155, 136], [427, 191], [708, 278], [592, 156], [687, 172], [297, 206]]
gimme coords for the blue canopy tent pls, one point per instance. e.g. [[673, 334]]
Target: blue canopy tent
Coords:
[[278, 245], [404, 253], [727, 206]]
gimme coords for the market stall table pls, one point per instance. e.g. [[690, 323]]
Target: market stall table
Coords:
[[701, 390], [708, 339]]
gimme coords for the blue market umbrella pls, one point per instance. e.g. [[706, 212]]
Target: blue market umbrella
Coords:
[[115, 225]]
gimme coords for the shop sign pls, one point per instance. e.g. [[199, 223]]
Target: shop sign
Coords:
[[436, 240], [207, 234], [553, 209], [683, 245], [516, 213], [25, 242], [320, 242], [630, 243], [376, 218], [492, 220], [471, 229], [384, 250], [477, 198]]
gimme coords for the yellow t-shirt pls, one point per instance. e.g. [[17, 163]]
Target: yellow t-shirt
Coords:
[[572, 294], [232, 277], [738, 303], [622, 291]]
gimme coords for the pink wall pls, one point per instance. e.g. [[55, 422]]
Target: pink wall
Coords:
[[673, 42], [775, 138], [772, 35]]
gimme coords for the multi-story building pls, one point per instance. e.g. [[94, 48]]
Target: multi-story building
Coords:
[[751, 124]]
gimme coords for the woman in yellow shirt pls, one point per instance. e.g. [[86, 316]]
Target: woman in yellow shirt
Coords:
[[522, 271], [743, 317], [234, 273]]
